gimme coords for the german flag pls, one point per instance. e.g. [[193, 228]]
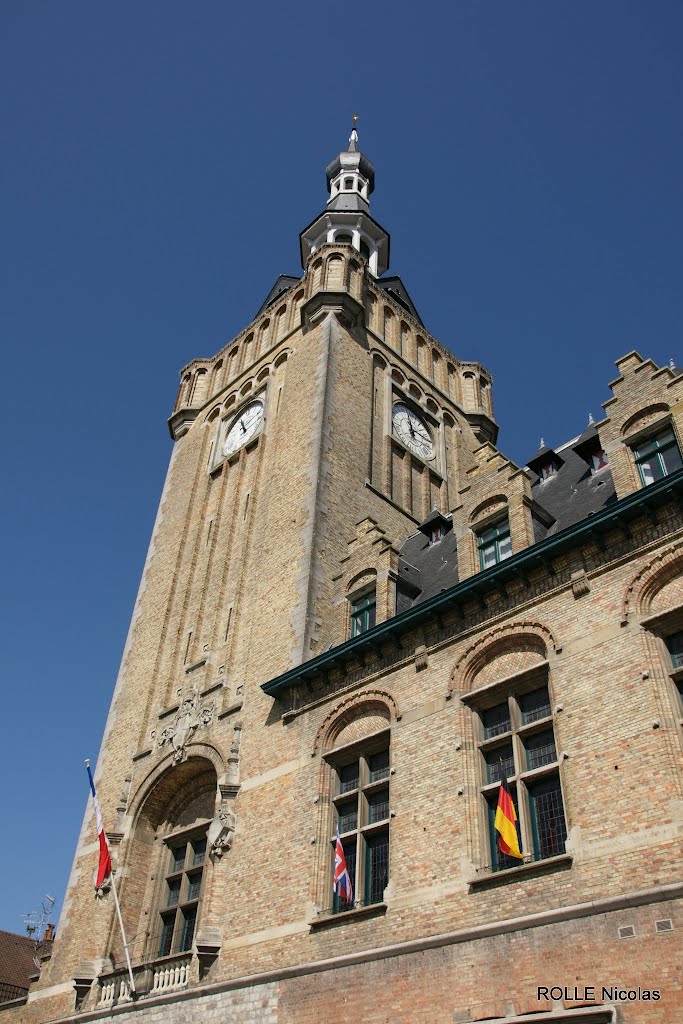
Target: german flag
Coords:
[[504, 823]]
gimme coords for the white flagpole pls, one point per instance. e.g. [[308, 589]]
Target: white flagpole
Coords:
[[116, 902]]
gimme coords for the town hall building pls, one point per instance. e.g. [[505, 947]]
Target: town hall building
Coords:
[[356, 617]]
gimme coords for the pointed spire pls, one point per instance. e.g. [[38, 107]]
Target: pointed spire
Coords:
[[353, 137], [542, 444], [591, 421]]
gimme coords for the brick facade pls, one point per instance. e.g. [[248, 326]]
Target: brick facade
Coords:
[[252, 565]]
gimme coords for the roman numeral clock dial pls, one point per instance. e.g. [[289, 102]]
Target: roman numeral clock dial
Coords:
[[243, 428], [412, 431]]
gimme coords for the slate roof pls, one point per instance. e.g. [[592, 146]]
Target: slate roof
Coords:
[[282, 285], [426, 569], [573, 493], [16, 964], [395, 287], [570, 495]]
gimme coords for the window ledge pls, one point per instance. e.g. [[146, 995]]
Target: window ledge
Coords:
[[372, 910], [536, 867]]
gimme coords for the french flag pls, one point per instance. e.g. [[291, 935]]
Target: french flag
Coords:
[[104, 865], [342, 881]]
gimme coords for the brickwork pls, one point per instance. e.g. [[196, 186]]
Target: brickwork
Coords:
[[254, 558]]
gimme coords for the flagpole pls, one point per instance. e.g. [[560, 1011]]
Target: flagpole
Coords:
[[116, 900]]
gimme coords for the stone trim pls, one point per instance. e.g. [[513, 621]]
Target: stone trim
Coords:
[[560, 915]]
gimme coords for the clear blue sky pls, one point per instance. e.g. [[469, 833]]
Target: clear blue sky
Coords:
[[160, 159]]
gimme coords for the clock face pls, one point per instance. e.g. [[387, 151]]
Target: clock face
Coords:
[[243, 428], [412, 430]]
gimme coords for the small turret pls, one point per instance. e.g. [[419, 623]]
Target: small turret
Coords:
[[347, 220]]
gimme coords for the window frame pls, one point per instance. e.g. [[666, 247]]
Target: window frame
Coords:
[[163, 909], [494, 542], [525, 782], [361, 597], [655, 454], [365, 831]]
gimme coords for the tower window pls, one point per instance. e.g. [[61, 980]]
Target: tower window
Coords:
[[363, 611], [361, 811], [179, 902], [344, 238], [364, 249], [348, 183], [657, 457], [494, 544]]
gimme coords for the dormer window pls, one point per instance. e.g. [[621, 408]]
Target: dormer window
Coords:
[[437, 533], [547, 470], [598, 461]]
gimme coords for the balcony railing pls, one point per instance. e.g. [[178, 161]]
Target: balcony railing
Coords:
[[169, 974]]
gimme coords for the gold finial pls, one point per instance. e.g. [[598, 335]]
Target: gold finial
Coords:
[[354, 118]]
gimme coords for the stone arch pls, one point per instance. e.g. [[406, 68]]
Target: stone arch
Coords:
[[494, 503], [431, 405], [334, 272], [295, 319], [416, 392], [263, 374], [171, 798], [281, 359], [362, 579], [398, 377], [664, 572], [213, 414], [504, 650], [371, 707], [316, 275], [644, 417], [280, 328]]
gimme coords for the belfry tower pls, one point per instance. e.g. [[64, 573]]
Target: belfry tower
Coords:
[[352, 618]]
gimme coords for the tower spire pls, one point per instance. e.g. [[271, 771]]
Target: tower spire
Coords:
[[347, 220]]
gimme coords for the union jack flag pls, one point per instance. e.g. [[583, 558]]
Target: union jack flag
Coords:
[[342, 880]]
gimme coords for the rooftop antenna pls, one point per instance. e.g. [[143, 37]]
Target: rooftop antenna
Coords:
[[38, 924]]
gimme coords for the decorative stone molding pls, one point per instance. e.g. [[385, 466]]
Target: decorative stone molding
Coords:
[[188, 719], [655, 574], [344, 713], [497, 641], [221, 831], [580, 584]]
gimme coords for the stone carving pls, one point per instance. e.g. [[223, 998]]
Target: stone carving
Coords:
[[221, 832], [187, 721]]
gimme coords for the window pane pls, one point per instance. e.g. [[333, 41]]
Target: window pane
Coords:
[[500, 763], [173, 892], [675, 645], [166, 940], [378, 765], [189, 921], [535, 705], [348, 777], [194, 884], [339, 905], [650, 470], [672, 459], [378, 806], [199, 851], [488, 556], [376, 868], [540, 749], [347, 816], [504, 548], [496, 720], [501, 861], [547, 818], [178, 858]]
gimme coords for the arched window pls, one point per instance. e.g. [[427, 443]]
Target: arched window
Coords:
[[364, 249], [348, 183], [344, 238], [357, 776]]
